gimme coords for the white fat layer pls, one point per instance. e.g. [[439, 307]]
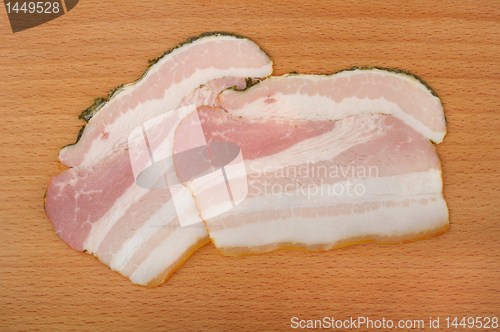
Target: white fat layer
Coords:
[[354, 190], [319, 108], [132, 195], [405, 77], [167, 254], [103, 226], [385, 221], [172, 249], [332, 230], [164, 217]]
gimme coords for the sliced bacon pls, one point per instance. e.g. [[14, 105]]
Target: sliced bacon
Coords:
[[296, 167], [301, 161], [334, 97], [98, 207], [162, 89]]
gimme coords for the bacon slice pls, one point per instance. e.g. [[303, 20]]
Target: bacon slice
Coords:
[[162, 89], [322, 174], [97, 207], [351, 92]]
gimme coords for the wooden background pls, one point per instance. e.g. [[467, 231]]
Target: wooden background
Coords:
[[50, 73]]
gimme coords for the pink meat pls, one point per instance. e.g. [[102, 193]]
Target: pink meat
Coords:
[[78, 198]]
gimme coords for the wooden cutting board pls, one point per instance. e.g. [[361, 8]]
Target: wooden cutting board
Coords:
[[50, 73]]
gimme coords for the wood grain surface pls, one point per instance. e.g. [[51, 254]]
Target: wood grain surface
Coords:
[[50, 73]]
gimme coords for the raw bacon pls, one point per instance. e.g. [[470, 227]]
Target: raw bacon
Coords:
[[162, 89], [334, 97], [97, 207], [326, 167], [297, 161]]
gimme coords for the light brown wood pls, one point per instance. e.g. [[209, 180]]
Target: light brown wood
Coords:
[[50, 73]]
